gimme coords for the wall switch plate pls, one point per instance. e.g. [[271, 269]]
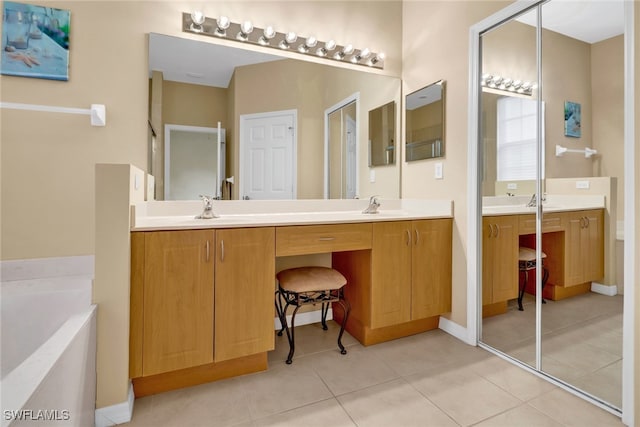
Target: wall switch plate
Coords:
[[372, 175], [512, 186], [582, 185], [438, 170]]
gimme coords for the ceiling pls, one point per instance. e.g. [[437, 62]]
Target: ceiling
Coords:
[[196, 62], [588, 20]]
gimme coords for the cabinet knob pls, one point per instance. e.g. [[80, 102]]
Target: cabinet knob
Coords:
[[417, 237], [221, 250], [408, 237]]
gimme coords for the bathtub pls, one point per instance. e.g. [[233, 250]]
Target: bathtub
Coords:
[[48, 347]]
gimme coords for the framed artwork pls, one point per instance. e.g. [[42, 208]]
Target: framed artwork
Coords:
[[35, 41], [572, 119]]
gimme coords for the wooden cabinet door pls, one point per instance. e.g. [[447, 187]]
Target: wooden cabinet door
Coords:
[[244, 289], [431, 268], [500, 259], [584, 247], [593, 245], [391, 273], [488, 260], [574, 261], [178, 300]]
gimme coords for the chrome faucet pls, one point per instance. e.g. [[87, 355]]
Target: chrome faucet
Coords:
[[207, 212], [533, 202], [374, 204]]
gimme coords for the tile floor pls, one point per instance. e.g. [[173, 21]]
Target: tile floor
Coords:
[[581, 340], [430, 379]]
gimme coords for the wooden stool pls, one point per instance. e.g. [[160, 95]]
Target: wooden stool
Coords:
[[527, 262], [309, 285]]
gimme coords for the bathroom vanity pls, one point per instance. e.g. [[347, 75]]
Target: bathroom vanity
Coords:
[[202, 291], [573, 240]]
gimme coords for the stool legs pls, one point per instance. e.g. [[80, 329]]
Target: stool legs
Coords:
[[545, 277], [281, 310], [324, 312], [346, 307]]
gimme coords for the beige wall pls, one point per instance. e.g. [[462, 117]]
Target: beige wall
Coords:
[[607, 89]]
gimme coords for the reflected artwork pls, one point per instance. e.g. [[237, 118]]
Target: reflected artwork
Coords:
[[572, 119]]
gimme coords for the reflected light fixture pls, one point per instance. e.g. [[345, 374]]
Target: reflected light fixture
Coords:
[[507, 84], [246, 32], [328, 47], [360, 56], [377, 58], [308, 44], [347, 50]]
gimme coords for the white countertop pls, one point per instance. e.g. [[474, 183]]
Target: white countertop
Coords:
[[180, 215], [517, 205]]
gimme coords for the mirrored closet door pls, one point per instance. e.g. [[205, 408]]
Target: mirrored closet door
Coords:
[[551, 141]]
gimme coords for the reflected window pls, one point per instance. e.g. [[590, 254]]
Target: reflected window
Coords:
[[516, 138]]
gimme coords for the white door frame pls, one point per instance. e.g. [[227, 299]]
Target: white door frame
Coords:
[[348, 100], [242, 143], [474, 199]]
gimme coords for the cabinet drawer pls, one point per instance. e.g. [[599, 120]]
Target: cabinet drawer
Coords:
[[550, 223], [310, 239]]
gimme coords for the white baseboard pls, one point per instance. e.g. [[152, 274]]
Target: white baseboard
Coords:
[[116, 414], [452, 328], [305, 318], [609, 290]]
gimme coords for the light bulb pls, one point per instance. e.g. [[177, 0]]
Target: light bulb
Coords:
[[197, 17], [291, 37], [267, 34], [330, 45], [222, 23]]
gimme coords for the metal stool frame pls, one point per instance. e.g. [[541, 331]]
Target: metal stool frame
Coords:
[[525, 267], [285, 298]]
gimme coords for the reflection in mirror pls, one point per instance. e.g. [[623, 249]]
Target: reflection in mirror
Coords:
[[580, 336], [342, 136], [193, 162], [200, 83], [382, 131], [508, 123], [425, 122]]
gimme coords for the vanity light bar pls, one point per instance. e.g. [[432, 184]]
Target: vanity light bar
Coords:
[[245, 32], [497, 82]]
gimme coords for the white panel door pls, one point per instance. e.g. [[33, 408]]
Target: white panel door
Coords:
[[267, 158]]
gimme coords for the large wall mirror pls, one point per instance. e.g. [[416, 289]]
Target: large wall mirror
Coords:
[[425, 122], [264, 102], [530, 65]]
